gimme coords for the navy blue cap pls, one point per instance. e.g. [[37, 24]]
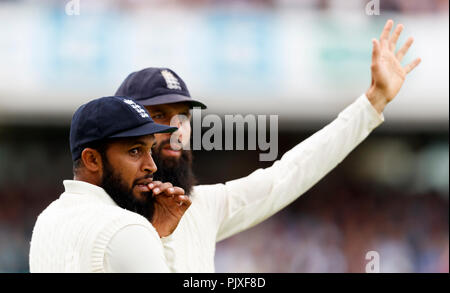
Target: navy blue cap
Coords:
[[110, 117], [156, 86]]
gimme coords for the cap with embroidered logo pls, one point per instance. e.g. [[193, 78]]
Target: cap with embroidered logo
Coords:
[[110, 117], [156, 86]]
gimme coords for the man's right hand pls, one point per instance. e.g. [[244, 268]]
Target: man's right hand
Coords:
[[170, 205]]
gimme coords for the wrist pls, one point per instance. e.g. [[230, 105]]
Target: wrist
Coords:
[[161, 228], [377, 99], [162, 232]]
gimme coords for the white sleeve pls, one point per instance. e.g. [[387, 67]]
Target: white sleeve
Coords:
[[135, 249], [240, 204]]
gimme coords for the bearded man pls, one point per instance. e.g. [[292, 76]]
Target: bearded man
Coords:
[[112, 215], [221, 210]]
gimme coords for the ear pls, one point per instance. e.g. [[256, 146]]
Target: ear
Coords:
[[92, 160]]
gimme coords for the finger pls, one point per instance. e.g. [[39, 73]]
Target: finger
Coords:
[[173, 191], [154, 184], [184, 200], [385, 33], [394, 37], [375, 51], [412, 65], [178, 191], [402, 52], [164, 188]]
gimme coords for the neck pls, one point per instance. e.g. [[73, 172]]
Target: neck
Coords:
[[89, 178]]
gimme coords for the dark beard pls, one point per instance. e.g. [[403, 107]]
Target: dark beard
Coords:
[[123, 196], [176, 171]]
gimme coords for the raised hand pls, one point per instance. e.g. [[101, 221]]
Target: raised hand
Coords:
[[388, 74]]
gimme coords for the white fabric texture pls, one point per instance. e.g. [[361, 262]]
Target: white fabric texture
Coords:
[[74, 233], [133, 250]]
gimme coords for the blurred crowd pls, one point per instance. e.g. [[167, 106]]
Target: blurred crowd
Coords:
[[401, 6], [331, 230]]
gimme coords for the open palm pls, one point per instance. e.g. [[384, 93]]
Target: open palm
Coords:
[[388, 74]]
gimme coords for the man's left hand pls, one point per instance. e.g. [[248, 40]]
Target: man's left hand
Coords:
[[388, 74]]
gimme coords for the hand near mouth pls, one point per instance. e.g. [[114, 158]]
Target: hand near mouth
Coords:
[[170, 205]]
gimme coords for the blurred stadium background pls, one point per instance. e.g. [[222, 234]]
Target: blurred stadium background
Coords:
[[304, 60]]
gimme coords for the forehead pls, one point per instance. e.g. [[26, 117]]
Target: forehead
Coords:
[[174, 107], [146, 140]]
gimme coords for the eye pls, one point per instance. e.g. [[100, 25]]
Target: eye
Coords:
[[134, 152], [158, 116]]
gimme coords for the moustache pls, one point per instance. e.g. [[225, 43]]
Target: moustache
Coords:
[[147, 179]]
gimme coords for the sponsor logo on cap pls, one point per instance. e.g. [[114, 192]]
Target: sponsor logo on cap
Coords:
[[136, 107], [171, 81]]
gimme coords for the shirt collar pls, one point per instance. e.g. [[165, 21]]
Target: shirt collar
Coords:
[[84, 188]]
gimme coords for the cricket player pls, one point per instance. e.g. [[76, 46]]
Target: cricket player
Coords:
[[221, 210], [100, 223]]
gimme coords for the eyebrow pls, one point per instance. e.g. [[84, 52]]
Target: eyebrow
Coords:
[[134, 142]]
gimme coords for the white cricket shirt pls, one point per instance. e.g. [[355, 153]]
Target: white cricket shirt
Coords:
[[85, 231], [221, 210]]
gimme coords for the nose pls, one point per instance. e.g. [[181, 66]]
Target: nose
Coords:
[[148, 165]]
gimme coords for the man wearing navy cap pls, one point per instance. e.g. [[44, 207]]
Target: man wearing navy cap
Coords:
[[101, 222], [165, 95], [222, 210]]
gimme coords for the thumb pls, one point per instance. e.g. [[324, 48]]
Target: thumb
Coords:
[[184, 201]]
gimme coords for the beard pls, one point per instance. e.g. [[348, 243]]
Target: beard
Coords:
[[123, 195], [177, 171]]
